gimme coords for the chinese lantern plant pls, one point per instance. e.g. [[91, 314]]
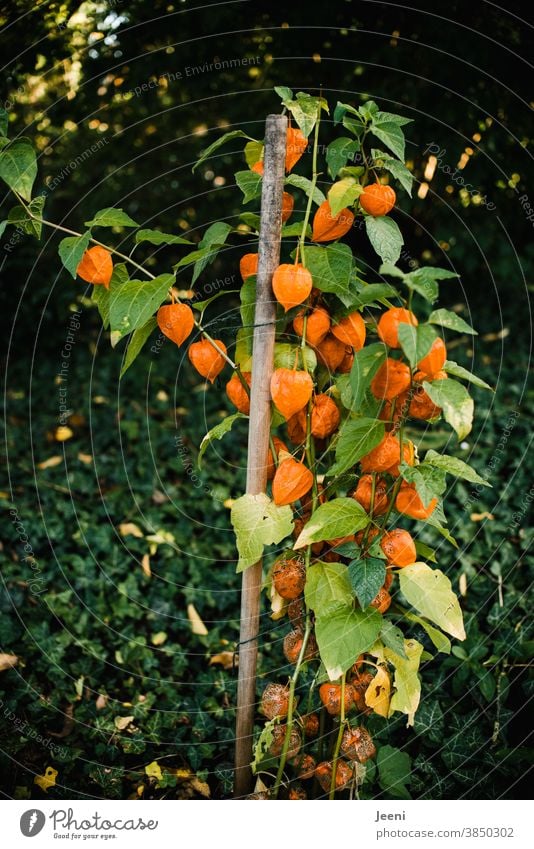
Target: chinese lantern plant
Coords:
[[360, 372]]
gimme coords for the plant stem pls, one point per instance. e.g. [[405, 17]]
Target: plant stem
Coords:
[[338, 740], [312, 188], [290, 710]]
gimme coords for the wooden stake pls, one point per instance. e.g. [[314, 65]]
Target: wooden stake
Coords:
[[258, 435]]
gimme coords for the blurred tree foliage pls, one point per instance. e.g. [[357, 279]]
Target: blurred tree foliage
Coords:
[[120, 97]]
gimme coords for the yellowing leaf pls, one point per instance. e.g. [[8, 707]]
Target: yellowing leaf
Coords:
[[8, 661], [85, 458], [122, 722], [257, 521], [430, 592], [479, 517], [278, 604], [145, 565], [130, 529], [153, 770], [406, 682], [50, 463], [47, 780], [158, 639], [197, 625], [63, 433], [227, 659], [201, 787], [378, 693]]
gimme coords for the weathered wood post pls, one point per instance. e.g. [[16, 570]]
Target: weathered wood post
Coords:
[[258, 435]]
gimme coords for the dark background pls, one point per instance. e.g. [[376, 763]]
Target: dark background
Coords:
[[462, 72]]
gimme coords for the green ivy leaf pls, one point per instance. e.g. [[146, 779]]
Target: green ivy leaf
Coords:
[[385, 237], [71, 251], [356, 438], [393, 638], [337, 518], [366, 364], [138, 339], [110, 217], [134, 301], [155, 237], [366, 577], [327, 586], [396, 169], [416, 341], [218, 432], [22, 220], [459, 371], [430, 592], [233, 134], [454, 466], [331, 270], [250, 184], [448, 319], [307, 187], [258, 521], [407, 683], [394, 771], [18, 167], [339, 152], [455, 401], [343, 634]]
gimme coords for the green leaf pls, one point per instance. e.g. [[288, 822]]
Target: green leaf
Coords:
[[327, 586], [425, 551], [396, 169], [243, 348], [257, 521], [337, 518], [305, 110], [212, 241], [439, 640], [247, 295], [423, 281], [416, 341], [295, 229], [380, 117], [18, 167], [233, 134], [155, 237], [133, 302], [394, 771], [22, 220], [448, 319], [331, 269], [407, 683], [101, 296], [392, 637], [459, 371], [343, 193], [356, 438], [343, 634], [111, 217], [429, 481], [218, 432], [283, 92], [366, 578], [250, 184], [455, 401], [339, 152], [385, 237], [286, 355], [71, 251], [373, 292], [253, 152], [430, 592], [4, 121], [390, 134], [306, 186], [366, 364], [3, 225], [263, 744], [251, 219], [138, 339], [454, 466]]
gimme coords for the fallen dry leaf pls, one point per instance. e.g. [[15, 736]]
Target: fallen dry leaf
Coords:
[[50, 463], [8, 661], [122, 722], [130, 529], [278, 604], [159, 497], [101, 701], [63, 433], [153, 770], [145, 565], [85, 458], [47, 780], [479, 517], [197, 625], [225, 659], [462, 584]]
